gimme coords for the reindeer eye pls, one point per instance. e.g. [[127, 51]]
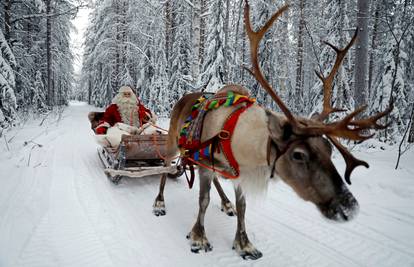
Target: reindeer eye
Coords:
[[300, 155]]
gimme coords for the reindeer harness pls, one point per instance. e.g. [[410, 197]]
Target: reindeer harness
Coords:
[[193, 150]]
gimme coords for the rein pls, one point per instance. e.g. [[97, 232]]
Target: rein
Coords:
[[220, 142]]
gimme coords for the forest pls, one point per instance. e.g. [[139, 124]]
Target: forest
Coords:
[[165, 49]]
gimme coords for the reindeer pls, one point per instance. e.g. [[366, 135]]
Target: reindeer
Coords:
[[300, 149]]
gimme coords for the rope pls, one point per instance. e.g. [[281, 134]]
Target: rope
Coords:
[[154, 142], [222, 173], [155, 126]]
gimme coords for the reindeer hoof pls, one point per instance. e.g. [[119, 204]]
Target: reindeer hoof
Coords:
[[251, 255], [228, 208], [195, 248], [159, 212], [247, 251], [199, 244], [159, 208]]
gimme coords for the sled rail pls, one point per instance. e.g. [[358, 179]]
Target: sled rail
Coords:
[[141, 172]]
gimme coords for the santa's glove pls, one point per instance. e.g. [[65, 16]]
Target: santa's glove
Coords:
[[102, 128], [134, 130], [152, 117]]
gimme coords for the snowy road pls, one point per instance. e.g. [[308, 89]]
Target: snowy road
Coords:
[[58, 209]]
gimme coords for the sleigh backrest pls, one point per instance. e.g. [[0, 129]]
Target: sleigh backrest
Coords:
[[94, 118], [145, 147]]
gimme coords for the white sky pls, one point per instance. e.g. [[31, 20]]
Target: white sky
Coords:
[[81, 23]]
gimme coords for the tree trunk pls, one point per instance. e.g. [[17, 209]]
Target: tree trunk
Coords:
[[341, 95], [115, 75], [299, 59], [89, 90], [203, 11], [7, 18], [50, 91], [284, 51], [168, 33], [361, 54], [411, 134], [226, 42], [373, 47], [196, 40], [400, 152]]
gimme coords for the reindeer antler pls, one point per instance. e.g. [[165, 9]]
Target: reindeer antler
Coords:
[[255, 37], [348, 127], [328, 81], [342, 128], [350, 161]]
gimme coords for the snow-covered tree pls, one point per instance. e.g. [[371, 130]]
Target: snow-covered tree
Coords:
[[213, 71], [181, 79], [7, 84], [167, 48]]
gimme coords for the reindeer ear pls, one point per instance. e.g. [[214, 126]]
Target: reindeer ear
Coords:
[[279, 127]]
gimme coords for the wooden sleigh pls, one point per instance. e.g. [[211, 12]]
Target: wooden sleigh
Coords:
[[136, 156]]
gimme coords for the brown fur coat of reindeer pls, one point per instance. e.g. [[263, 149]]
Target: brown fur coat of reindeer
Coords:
[[300, 149]]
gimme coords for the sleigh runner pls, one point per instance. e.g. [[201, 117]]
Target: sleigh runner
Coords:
[[136, 156]]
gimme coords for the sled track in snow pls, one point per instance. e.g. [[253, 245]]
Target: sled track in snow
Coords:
[[352, 243], [65, 235]]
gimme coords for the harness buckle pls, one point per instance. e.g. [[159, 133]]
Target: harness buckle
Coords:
[[224, 135], [185, 153]]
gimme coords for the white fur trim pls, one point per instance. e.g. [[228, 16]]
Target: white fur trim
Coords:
[[114, 136], [127, 128], [149, 129], [102, 141], [125, 89], [154, 118], [104, 124]]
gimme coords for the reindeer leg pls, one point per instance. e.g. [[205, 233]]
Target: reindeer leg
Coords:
[[226, 205], [197, 235], [159, 205], [241, 242]]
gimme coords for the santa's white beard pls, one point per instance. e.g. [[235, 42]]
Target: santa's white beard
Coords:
[[128, 109]]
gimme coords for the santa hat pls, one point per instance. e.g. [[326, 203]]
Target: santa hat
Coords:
[[125, 89]]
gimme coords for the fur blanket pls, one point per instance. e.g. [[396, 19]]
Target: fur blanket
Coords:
[[113, 136]]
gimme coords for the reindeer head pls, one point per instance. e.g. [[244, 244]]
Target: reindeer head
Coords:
[[304, 145]]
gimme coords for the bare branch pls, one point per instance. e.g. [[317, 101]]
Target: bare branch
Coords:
[[403, 138]]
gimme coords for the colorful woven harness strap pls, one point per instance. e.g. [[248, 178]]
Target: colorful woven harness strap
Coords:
[[192, 155], [225, 141]]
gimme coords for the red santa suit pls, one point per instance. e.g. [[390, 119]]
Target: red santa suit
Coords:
[[116, 112]]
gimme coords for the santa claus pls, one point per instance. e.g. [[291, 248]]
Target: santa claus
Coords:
[[127, 109]]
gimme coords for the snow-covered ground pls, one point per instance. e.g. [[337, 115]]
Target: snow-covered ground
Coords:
[[57, 208]]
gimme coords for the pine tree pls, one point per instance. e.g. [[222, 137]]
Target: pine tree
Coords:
[[7, 84], [213, 64], [181, 79]]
